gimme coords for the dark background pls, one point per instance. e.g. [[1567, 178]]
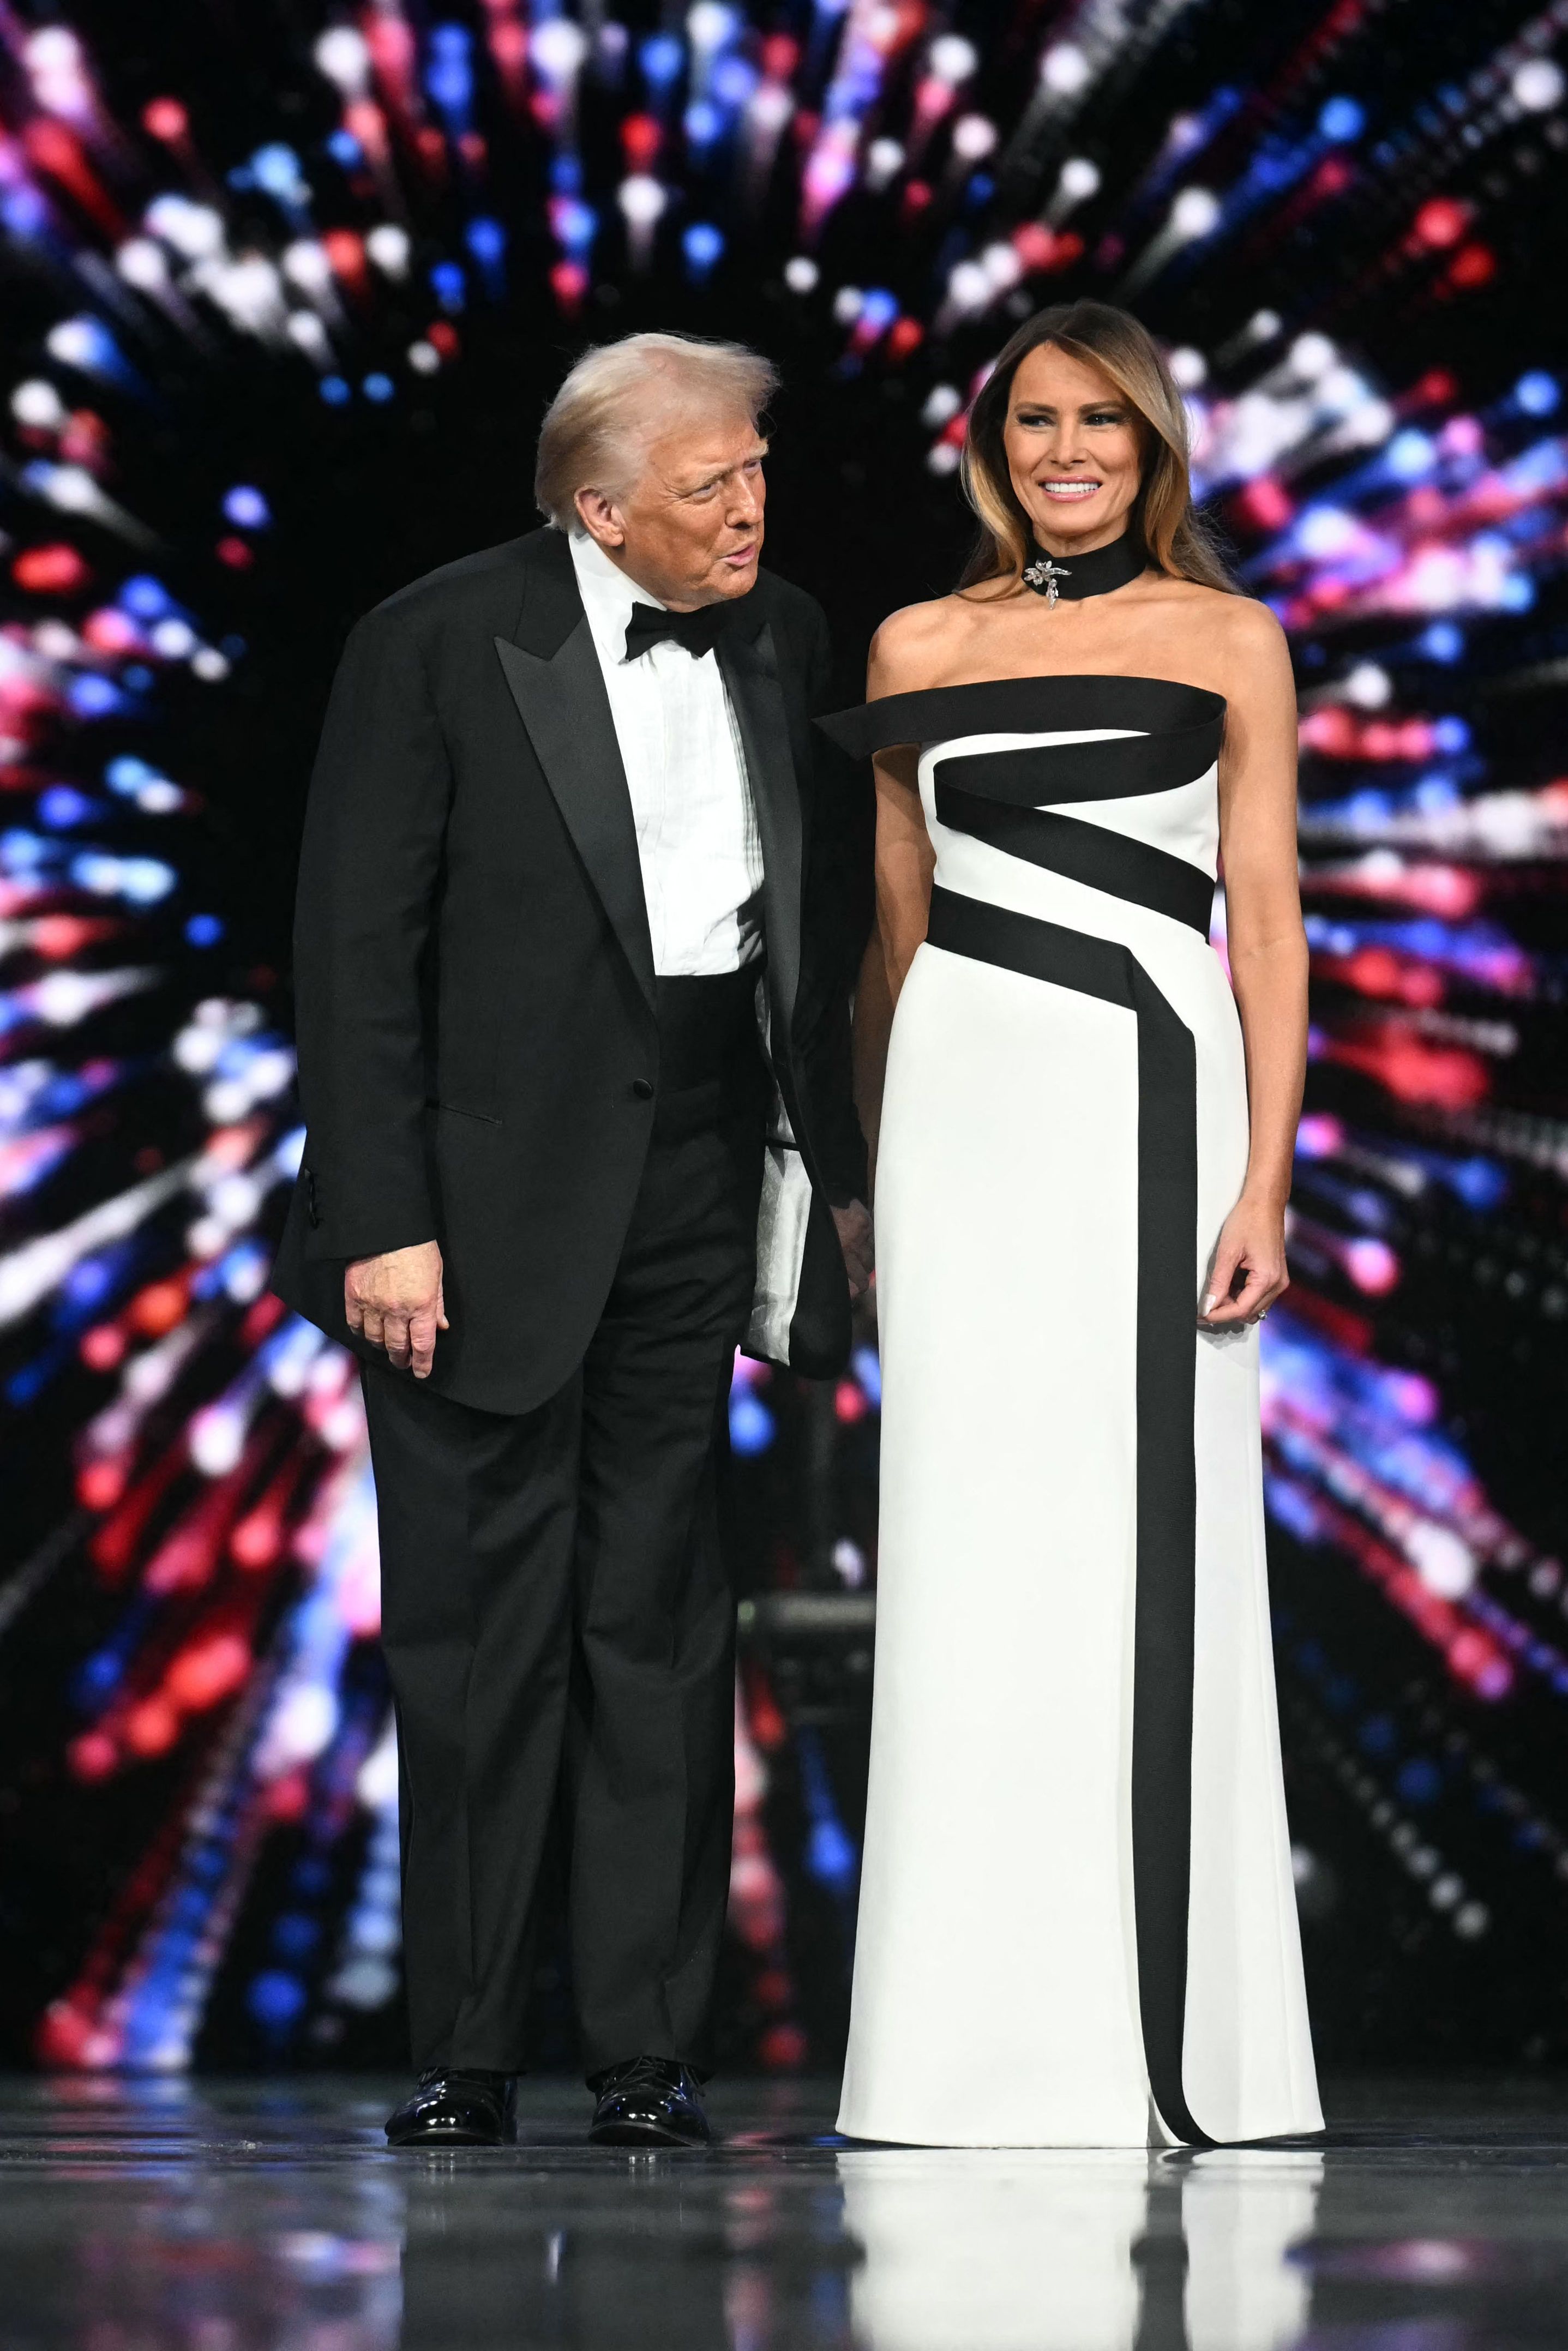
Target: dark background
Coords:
[[194, 1897]]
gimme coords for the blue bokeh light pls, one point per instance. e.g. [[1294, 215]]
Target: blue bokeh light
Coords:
[[1537, 392], [702, 245], [750, 1423], [1342, 118], [662, 57], [275, 1998], [246, 507]]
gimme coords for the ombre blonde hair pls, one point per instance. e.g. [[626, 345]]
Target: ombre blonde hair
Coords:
[[1175, 537], [596, 427]]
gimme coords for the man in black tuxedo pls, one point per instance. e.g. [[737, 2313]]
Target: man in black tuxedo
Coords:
[[580, 898]]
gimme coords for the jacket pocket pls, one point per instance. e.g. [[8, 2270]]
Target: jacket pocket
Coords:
[[457, 1110]]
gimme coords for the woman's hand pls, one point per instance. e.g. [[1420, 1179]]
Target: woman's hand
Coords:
[[1251, 1242]]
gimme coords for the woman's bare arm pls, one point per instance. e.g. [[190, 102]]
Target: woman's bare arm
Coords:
[[1267, 950], [905, 863]]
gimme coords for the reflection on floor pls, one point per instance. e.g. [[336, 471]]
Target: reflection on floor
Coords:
[[175, 2216]]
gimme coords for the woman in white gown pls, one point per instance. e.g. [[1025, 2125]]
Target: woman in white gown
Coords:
[[1077, 1922]]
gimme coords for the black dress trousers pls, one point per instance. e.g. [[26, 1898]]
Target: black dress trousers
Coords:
[[558, 1611]]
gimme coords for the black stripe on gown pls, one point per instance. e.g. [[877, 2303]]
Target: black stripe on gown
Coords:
[[1082, 851], [1166, 1539], [1121, 767], [1177, 737]]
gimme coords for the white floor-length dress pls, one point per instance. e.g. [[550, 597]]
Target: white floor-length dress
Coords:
[[1077, 1921]]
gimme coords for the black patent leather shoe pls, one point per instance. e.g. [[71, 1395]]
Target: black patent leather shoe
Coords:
[[455, 2107], [649, 2102]]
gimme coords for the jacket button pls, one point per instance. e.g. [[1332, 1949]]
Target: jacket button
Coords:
[[644, 1089]]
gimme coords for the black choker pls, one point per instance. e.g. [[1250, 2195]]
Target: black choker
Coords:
[[1098, 573]]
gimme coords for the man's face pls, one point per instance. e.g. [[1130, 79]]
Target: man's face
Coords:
[[690, 532]]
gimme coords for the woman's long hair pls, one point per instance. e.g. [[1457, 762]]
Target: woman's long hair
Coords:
[[1176, 539]]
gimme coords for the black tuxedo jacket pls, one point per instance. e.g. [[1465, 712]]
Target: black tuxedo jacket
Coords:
[[479, 1048]]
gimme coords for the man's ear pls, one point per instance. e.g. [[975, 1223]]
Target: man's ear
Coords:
[[600, 517]]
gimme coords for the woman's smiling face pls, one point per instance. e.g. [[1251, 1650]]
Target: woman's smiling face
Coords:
[[1074, 450]]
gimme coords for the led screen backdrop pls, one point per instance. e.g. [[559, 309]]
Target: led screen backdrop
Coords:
[[285, 288]]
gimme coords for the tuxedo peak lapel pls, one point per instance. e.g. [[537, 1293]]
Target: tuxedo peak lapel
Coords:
[[552, 603], [748, 658], [562, 703]]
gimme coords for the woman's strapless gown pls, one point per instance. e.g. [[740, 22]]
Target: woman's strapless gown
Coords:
[[1077, 1919]]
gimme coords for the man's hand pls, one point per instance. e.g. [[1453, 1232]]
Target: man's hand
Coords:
[[856, 1240], [395, 1301]]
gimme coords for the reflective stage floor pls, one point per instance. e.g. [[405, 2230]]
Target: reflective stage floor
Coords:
[[172, 2216]]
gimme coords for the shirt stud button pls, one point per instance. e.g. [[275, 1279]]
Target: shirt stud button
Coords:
[[644, 1089]]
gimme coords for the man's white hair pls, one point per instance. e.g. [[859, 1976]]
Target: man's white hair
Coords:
[[597, 427]]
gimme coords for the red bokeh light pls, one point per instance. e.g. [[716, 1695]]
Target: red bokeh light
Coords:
[[157, 1308], [208, 1671], [346, 255], [63, 2035], [101, 1484], [763, 1713], [257, 1539], [1474, 264], [151, 1728], [364, 120], [102, 1347], [640, 140], [1445, 1076], [1441, 222], [286, 1798], [568, 284], [1266, 503], [1378, 971], [509, 48], [261, 1319], [165, 119], [236, 554], [53, 571], [782, 2048], [93, 1756], [110, 631]]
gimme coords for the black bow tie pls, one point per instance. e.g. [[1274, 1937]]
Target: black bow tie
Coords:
[[699, 632]]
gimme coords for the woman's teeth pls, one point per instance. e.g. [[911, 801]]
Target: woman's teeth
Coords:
[[1070, 489]]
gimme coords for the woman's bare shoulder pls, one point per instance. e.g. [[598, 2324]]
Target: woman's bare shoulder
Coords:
[[1252, 646], [913, 647], [1240, 620], [1219, 639]]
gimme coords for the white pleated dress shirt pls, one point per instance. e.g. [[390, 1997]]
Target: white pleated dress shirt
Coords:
[[698, 837]]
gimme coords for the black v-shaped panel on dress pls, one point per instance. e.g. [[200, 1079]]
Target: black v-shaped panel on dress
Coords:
[[1006, 796], [1090, 853]]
